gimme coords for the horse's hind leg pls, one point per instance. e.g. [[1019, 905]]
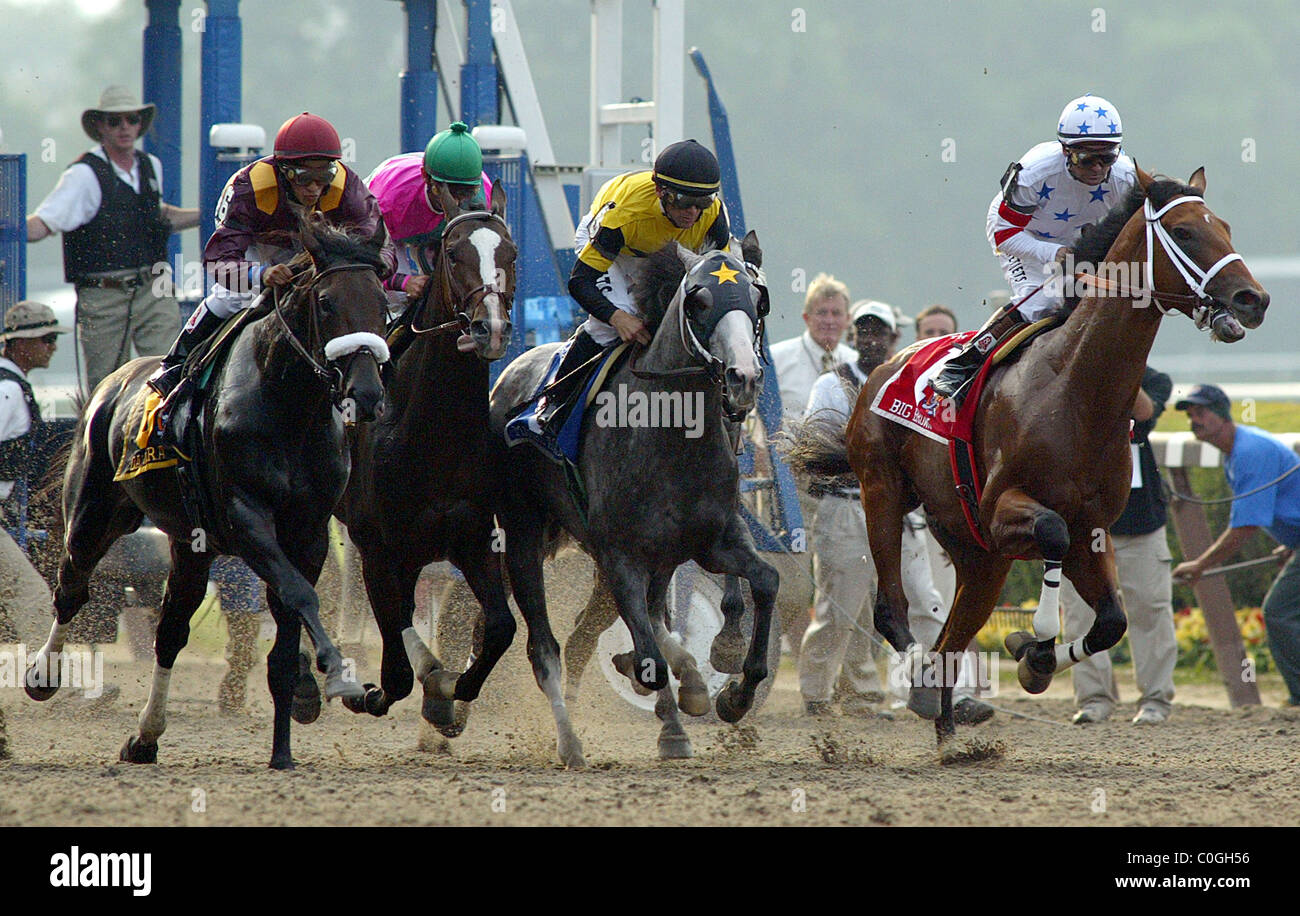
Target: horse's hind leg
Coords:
[[524, 561], [979, 583], [186, 585], [99, 514], [595, 618], [1021, 524]]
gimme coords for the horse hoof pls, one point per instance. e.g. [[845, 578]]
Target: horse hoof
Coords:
[[306, 694], [675, 747], [136, 751], [438, 713], [727, 653], [570, 750], [282, 763], [1033, 681], [376, 702], [459, 717], [38, 692], [441, 684], [623, 665], [694, 701], [730, 704], [1018, 643], [924, 701]]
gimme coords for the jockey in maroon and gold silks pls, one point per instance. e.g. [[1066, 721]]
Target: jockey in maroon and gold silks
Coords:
[[257, 218]]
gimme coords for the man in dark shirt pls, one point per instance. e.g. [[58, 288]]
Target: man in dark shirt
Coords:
[[1142, 560]]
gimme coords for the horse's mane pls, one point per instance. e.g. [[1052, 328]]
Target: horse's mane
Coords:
[[339, 245], [654, 289], [1097, 238]]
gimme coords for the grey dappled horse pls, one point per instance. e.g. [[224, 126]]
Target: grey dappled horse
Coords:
[[656, 496]]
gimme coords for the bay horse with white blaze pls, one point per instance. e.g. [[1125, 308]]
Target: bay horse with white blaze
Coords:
[[425, 481], [655, 496], [1051, 436], [272, 463]]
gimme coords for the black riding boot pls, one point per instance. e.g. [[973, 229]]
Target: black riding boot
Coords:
[[566, 376], [956, 377], [168, 374]]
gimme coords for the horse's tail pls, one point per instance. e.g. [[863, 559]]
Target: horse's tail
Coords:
[[818, 446]]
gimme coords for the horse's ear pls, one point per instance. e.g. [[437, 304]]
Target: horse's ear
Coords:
[[450, 209], [1144, 178], [499, 200], [1198, 179], [689, 258], [751, 250]]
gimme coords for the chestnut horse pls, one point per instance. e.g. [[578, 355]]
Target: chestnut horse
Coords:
[[1052, 439]]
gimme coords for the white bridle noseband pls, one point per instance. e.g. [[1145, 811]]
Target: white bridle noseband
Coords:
[[1196, 279]]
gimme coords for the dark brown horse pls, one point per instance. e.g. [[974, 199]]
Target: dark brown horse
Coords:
[[274, 463], [1051, 436], [423, 487]]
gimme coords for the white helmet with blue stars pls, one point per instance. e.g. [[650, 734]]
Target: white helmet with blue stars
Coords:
[[1089, 119]]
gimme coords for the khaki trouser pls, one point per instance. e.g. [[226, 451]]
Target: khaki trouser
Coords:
[[24, 595], [846, 593], [110, 320], [1143, 564]]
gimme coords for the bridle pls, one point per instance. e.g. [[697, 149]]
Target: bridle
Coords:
[[442, 274], [330, 373], [1202, 311], [710, 366]]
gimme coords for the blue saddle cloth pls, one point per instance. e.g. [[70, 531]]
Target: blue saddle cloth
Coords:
[[562, 447]]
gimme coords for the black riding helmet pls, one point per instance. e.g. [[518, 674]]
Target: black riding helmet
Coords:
[[688, 168]]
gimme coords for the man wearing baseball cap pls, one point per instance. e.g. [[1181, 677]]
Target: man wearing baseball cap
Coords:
[[1261, 471], [108, 205], [29, 338]]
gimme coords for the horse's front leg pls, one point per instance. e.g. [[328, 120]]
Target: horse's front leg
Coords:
[[292, 580], [1021, 525], [734, 553], [629, 584]]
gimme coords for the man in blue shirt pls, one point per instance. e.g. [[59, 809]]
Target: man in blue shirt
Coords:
[[1254, 461]]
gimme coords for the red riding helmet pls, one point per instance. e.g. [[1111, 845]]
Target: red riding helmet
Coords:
[[307, 136]]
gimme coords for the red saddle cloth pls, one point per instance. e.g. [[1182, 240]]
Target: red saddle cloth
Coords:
[[909, 399]]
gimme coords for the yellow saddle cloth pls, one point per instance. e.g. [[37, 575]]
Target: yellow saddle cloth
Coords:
[[144, 449]]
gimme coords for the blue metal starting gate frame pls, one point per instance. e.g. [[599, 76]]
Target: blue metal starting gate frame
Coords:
[[13, 230]]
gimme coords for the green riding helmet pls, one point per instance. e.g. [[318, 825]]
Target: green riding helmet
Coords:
[[454, 157]]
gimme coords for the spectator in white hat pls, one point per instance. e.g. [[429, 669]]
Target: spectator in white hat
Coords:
[[108, 205]]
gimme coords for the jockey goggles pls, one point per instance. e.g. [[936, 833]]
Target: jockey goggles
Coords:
[[1082, 160], [302, 175], [679, 201]]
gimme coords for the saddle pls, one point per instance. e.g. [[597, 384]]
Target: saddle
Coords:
[[552, 418], [152, 445]]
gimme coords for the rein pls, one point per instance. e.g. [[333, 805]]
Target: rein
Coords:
[[333, 375], [468, 301]]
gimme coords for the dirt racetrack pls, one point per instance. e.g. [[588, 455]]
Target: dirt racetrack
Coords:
[[1207, 766]]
